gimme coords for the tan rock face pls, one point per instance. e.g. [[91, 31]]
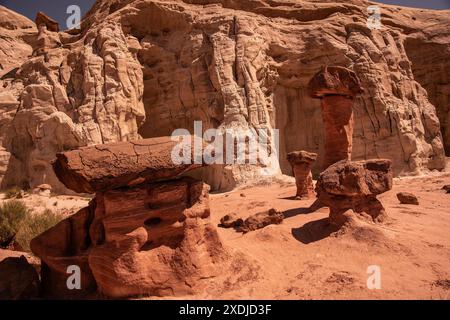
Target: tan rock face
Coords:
[[46, 40], [430, 65], [354, 185], [4, 161], [301, 162], [16, 42], [153, 238], [17, 38], [144, 68], [62, 85]]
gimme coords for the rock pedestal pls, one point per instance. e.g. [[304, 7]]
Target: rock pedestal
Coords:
[[336, 87], [354, 185], [301, 162], [153, 238], [337, 116]]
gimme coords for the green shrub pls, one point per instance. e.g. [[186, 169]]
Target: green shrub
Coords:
[[12, 215], [35, 224], [14, 192]]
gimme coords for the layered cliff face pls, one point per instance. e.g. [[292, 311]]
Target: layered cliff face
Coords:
[[17, 35], [145, 68], [429, 53]]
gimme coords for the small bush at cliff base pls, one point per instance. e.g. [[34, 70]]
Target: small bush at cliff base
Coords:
[[12, 215], [34, 225]]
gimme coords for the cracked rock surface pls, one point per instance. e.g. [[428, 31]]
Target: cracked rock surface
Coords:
[[120, 164]]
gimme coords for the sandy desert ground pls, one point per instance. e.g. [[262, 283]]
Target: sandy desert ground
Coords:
[[302, 258]]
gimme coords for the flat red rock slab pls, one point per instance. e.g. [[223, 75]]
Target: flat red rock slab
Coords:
[[115, 165]]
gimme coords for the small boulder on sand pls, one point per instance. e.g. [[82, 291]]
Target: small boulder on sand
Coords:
[[407, 198], [231, 221], [253, 222], [261, 220]]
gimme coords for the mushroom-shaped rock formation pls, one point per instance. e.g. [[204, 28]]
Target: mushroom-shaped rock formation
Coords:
[[48, 37], [153, 238], [43, 19], [354, 185], [336, 87], [301, 162]]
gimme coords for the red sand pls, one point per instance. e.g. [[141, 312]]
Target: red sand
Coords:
[[299, 259]]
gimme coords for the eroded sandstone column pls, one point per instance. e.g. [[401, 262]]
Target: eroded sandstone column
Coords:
[[337, 88], [301, 162]]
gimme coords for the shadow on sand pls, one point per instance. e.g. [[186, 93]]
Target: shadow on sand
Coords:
[[294, 212], [314, 231]]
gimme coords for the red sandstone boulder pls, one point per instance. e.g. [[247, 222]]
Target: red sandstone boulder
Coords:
[[121, 164], [355, 185], [407, 198], [261, 220], [231, 221]]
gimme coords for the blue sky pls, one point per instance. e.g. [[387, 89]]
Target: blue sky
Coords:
[[57, 8]]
